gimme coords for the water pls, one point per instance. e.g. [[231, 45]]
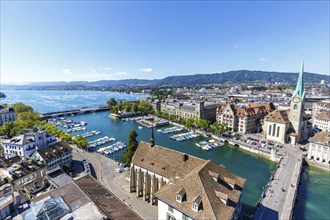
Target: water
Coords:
[[313, 195], [52, 101], [256, 170]]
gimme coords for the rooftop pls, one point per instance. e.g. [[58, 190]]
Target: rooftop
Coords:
[[321, 137], [113, 207]]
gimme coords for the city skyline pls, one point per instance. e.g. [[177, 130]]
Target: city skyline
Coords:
[[90, 41]]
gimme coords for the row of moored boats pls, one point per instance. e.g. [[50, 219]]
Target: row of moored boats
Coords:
[[170, 130], [209, 145], [185, 136], [112, 148]]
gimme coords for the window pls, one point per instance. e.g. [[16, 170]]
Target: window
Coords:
[[178, 198], [274, 126], [170, 208], [195, 206], [278, 131], [295, 107], [270, 129]]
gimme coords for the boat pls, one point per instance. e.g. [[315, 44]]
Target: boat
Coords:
[[140, 127]]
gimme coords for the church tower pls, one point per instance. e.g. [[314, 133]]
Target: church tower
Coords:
[[297, 106]]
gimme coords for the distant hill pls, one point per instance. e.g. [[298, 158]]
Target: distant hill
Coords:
[[238, 76]]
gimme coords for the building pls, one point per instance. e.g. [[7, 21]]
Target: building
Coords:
[[28, 177], [65, 202], [56, 155], [7, 200], [197, 110], [168, 107], [156, 105], [319, 148], [246, 119], [291, 125], [7, 115], [321, 115], [25, 145], [321, 120], [184, 186]]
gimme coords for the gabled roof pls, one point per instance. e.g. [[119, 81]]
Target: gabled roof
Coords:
[[321, 137], [210, 183], [278, 116], [163, 161], [323, 115]]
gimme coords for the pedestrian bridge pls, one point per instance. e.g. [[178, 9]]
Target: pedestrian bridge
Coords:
[[74, 111], [278, 198]]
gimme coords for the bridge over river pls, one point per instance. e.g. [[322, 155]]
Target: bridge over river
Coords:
[[278, 198], [74, 111]]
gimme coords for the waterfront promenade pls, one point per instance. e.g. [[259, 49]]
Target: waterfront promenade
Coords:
[[278, 198]]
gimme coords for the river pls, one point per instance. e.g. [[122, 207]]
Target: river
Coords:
[[314, 190]]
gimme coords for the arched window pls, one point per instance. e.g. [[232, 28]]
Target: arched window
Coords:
[[274, 126], [278, 131], [270, 129], [295, 107]]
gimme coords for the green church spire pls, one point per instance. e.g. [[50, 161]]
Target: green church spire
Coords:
[[300, 84]]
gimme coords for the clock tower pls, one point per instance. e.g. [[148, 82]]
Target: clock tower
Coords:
[[297, 106]]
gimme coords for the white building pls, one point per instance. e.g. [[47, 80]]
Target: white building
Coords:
[[321, 115], [184, 186], [321, 120], [285, 126], [56, 155], [319, 147], [7, 115], [25, 145]]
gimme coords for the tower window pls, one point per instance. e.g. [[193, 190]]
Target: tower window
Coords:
[[295, 107]]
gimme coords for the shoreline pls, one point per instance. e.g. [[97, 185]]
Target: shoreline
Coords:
[[318, 166]]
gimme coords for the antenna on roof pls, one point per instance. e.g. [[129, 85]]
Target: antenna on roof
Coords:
[[152, 135]]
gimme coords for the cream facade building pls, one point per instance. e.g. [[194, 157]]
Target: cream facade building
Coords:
[[246, 119], [319, 148], [289, 126]]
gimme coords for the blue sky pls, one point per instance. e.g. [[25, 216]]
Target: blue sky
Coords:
[[101, 40]]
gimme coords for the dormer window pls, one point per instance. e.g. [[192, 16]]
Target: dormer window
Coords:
[[196, 205], [180, 196]]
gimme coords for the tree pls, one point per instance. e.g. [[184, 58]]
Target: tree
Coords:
[[131, 148], [21, 107], [190, 122], [203, 124], [218, 129], [112, 102], [81, 142], [135, 108]]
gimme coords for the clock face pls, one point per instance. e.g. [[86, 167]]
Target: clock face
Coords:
[[296, 99]]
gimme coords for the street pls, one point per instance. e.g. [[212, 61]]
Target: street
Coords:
[[116, 182]]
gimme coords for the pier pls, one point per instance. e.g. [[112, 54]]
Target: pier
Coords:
[[74, 112], [278, 198]]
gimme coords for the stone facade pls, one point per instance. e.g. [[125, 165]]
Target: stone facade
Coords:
[[319, 148], [244, 120]]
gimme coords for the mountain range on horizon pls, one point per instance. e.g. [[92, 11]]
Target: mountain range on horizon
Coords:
[[237, 76]]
